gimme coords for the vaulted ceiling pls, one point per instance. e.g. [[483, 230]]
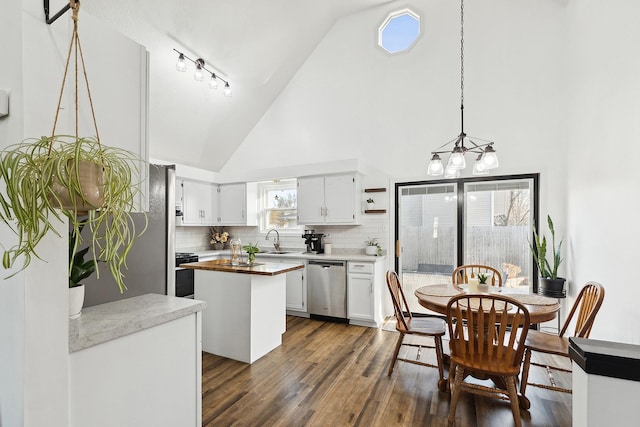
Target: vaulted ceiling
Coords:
[[257, 45]]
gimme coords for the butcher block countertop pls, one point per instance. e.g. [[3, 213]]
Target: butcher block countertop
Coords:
[[259, 268]]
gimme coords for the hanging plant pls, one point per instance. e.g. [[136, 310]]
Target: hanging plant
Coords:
[[78, 177]]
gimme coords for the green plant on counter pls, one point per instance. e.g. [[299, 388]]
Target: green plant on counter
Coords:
[[374, 242], [370, 200], [482, 278], [252, 249]]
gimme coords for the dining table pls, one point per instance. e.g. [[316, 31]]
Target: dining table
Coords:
[[541, 309]]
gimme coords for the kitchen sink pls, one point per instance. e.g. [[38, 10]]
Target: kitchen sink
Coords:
[[279, 252]]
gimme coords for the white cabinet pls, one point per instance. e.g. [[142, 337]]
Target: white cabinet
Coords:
[[297, 290], [205, 203], [237, 204], [198, 202], [364, 292], [328, 199]]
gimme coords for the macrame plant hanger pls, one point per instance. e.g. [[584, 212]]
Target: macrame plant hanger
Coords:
[[75, 48], [90, 196]]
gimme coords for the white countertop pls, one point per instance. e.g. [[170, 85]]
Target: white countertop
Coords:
[[106, 322], [346, 255]]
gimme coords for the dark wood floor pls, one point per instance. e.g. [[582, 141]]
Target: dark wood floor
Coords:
[[330, 374]]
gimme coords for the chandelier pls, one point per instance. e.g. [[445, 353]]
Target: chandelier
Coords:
[[462, 144]]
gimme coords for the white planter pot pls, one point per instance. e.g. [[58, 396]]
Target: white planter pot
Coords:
[[371, 206], [371, 250], [76, 300]]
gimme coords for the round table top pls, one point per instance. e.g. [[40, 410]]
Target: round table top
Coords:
[[541, 308]]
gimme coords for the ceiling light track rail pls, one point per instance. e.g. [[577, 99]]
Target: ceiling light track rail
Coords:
[[53, 19], [200, 69]]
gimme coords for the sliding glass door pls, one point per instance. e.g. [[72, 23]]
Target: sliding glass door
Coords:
[[498, 216], [426, 225], [440, 225]]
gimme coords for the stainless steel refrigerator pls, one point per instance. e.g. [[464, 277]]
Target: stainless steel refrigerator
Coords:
[[151, 261]]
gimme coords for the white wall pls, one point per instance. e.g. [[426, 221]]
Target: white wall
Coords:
[[33, 304], [352, 100], [11, 293], [603, 202]]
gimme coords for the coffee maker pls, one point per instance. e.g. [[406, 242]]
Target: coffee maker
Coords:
[[313, 241]]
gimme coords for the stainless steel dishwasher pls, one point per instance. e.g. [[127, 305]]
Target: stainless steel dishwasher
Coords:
[[327, 288]]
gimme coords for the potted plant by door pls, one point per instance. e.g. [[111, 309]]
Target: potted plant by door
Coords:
[[548, 281]]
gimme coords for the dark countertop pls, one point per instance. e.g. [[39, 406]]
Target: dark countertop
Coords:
[[605, 358], [259, 268]]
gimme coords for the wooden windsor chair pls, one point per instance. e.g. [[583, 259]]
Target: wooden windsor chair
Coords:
[[463, 273], [407, 324], [586, 306], [490, 346]]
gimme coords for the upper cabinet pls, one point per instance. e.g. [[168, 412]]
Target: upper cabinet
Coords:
[[330, 199], [204, 203], [237, 204], [198, 202]]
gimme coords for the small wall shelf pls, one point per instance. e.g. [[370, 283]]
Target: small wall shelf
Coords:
[[375, 190]]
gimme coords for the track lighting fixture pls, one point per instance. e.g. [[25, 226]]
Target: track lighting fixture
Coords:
[[200, 71]]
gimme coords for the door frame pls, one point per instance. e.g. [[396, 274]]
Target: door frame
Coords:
[[535, 177]]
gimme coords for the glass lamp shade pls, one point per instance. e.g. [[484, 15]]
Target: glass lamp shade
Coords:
[[213, 83], [478, 167], [198, 75], [435, 167], [490, 160], [180, 65], [450, 172], [227, 90], [456, 160]]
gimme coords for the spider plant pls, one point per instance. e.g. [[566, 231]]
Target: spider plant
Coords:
[[35, 171]]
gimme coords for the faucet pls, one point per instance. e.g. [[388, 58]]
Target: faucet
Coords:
[[276, 243]]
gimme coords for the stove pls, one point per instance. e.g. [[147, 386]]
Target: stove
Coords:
[[184, 254], [184, 277]]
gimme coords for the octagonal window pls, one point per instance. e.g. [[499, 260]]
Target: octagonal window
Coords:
[[399, 31]]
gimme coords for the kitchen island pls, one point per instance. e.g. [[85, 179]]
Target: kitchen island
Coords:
[[246, 306]]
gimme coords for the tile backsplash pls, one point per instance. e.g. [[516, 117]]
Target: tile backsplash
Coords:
[[341, 237]]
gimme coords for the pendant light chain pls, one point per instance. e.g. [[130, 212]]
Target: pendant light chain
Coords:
[[461, 54], [486, 159]]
